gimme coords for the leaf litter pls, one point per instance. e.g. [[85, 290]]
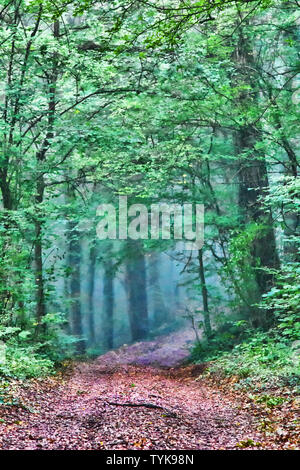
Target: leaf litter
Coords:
[[94, 406]]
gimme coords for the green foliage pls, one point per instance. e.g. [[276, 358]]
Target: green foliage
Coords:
[[24, 356], [225, 338], [264, 358], [25, 362], [21, 357], [270, 401], [181, 103], [248, 443], [284, 299]]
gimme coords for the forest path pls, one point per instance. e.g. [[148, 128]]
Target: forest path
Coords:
[[82, 410]]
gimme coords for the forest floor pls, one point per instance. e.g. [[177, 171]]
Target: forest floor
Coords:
[[110, 403]]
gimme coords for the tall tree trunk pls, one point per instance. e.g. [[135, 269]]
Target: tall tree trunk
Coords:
[[253, 177], [206, 314], [108, 299], [74, 260], [160, 311], [38, 258], [5, 294], [137, 292], [253, 183], [40, 188], [91, 289]]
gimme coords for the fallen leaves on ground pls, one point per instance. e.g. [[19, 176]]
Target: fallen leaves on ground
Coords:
[[111, 404]]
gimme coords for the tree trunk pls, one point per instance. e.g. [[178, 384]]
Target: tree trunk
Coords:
[[206, 315], [38, 258], [137, 292], [253, 183], [160, 312], [40, 189], [108, 298], [91, 288], [74, 260], [253, 176], [5, 294]]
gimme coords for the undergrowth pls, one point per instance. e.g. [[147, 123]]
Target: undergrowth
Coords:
[[22, 357], [264, 358]]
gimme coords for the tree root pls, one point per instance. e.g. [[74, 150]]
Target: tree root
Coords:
[[169, 414]]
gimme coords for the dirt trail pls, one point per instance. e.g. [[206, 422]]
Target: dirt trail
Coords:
[[79, 413], [84, 410]]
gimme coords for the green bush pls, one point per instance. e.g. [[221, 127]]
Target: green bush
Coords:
[[22, 356], [224, 339], [24, 362], [265, 357]]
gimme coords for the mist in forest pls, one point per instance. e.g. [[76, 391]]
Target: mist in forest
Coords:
[[108, 303], [148, 296], [116, 292]]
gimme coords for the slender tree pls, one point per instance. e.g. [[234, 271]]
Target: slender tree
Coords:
[[137, 291]]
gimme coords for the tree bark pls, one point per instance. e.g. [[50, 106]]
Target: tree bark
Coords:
[[91, 289], [40, 187], [74, 260], [137, 292], [253, 177], [108, 299], [253, 183], [38, 258], [160, 312], [206, 314]]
